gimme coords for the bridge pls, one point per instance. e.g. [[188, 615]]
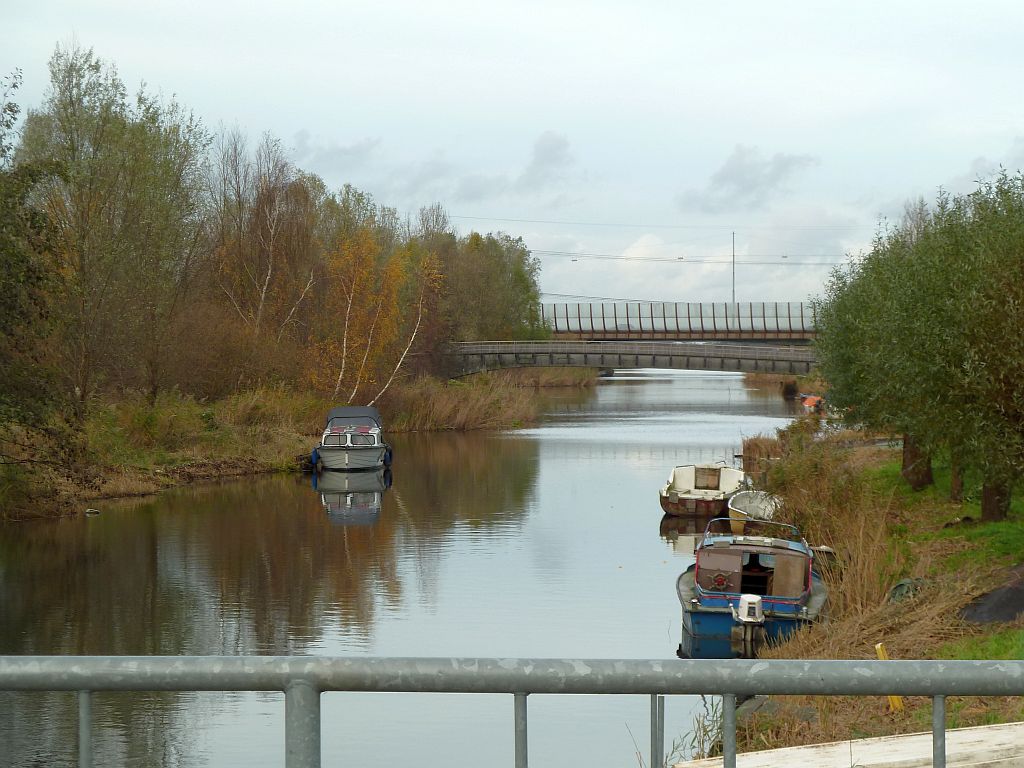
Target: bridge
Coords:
[[792, 322], [475, 357]]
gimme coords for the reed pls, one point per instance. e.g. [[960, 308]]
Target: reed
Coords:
[[487, 403], [832, 489], [577, 378]]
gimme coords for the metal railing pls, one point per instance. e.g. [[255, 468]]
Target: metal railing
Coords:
[[748, 319], [303, 678]]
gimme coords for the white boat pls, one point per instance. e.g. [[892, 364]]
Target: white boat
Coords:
[[700, 489], [759, 505], [352, 440]]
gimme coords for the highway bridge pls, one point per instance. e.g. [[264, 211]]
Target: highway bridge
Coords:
[[791, 322], [475, 357]]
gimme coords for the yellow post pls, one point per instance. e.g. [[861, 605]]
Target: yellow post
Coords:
[[895, 702]]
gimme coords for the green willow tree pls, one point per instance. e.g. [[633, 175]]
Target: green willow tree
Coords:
[[924, 334], [27, 280], [491, 289]]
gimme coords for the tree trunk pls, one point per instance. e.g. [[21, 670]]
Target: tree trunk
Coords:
[[917, 465], [956, 481], [995, 501]]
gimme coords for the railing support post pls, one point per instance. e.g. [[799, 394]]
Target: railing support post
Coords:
[[85, 729], [657, 730], [939, 731], [302, 725], [729, 730], [522, 758]]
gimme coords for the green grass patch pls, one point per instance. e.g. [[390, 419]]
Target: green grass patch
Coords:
[[1002, 644]]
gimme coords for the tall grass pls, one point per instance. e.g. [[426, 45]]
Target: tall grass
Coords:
[[836, 494], [486, 403], [548, 377]]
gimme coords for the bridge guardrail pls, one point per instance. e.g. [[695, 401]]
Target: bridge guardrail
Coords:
[[303, 678], [755, 319]]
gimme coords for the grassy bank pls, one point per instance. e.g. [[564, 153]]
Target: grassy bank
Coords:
[[851, 497], [129, 447]]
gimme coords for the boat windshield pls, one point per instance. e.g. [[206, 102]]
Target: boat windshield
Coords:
[[351, 423], [724, 526]]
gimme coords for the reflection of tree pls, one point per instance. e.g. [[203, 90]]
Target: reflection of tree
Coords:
[[248, 567], [90, 586], [474, 478], [473, 481]]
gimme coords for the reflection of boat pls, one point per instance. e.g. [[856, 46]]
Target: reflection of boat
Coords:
[[352, 439], [747, 588], [700, 489], [352, 498], [683, 531]]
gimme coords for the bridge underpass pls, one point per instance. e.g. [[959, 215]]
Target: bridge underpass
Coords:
[[475, 357]]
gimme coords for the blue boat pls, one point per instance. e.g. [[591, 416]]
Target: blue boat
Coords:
[[752, 582]]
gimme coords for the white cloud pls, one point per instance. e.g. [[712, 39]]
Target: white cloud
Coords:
[[747, 181]]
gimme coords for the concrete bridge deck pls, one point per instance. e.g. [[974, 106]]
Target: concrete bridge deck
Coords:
[[475, 357]]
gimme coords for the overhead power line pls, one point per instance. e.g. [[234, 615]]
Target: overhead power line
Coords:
[[722, 227], [751, 258], [603, 298]]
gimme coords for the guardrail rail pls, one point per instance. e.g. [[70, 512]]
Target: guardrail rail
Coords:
[[303, 678]]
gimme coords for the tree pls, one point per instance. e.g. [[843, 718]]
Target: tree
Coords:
[[265, 221], [126, 214], [923, 335], [27, 278], [491, 289]]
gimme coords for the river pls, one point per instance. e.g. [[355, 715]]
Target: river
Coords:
[[541, 542]]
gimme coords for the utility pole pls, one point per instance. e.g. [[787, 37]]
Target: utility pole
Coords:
[[733, 267]]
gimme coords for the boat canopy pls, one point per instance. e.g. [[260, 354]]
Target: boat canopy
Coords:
[[358, 415]]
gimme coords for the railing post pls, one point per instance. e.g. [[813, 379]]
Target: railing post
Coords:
[[729, 730], [657, 730], [302, 725], [85, 729], [522, 758], [939, 731]]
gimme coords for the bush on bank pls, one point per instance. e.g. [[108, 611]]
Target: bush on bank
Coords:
[[851, 497]]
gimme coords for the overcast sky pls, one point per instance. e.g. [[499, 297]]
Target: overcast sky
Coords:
[[645, 131]]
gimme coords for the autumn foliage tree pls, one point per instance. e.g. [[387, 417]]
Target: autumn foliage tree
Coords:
[[264, 243], [125, 216], [175, 260]]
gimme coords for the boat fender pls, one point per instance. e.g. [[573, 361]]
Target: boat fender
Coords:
[[388, 455], [314, 457]]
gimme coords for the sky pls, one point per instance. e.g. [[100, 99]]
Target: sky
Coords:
[[629, 144]]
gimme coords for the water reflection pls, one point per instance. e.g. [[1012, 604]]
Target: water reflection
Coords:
[[533, 543], [352, 498], [250, 566], [674, 525]]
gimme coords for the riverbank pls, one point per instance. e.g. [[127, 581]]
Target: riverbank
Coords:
[[128, 447], [851, 497]]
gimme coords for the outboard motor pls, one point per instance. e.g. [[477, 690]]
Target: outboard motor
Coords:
[[748, 633]]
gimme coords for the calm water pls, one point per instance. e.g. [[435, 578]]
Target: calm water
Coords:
[[543, 542]]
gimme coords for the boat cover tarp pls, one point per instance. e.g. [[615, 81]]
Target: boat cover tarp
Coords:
[[356, 414]]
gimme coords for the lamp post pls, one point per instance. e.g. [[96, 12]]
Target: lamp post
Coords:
[[733, 267]]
